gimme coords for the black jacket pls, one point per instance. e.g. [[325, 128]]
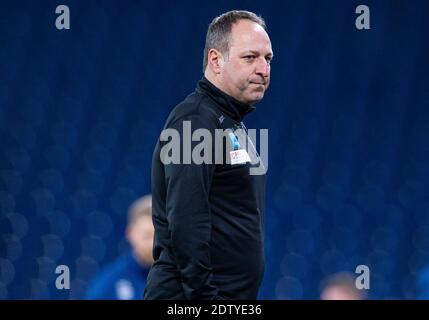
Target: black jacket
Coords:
[[208, 217]]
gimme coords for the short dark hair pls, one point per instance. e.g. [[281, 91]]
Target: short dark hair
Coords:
[[219, 31]]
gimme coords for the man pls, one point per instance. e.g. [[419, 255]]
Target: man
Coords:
[[125, 279], [208, 216]]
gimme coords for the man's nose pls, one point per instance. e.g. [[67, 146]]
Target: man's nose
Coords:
[[263, 67]]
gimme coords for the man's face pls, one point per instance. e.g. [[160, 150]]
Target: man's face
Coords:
[[140, 235], [245, 70]]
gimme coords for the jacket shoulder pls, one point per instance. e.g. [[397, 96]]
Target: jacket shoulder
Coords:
[[195, 107]]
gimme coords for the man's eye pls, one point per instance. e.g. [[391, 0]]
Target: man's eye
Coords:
[[250, 57]]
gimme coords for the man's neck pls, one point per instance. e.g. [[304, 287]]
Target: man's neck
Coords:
[[215, 81]]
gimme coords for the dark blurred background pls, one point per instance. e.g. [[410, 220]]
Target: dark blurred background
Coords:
[[347, 113]]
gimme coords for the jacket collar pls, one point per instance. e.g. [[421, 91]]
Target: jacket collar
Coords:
[[229, 105]]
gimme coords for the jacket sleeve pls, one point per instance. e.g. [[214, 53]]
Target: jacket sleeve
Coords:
[[188, 214]]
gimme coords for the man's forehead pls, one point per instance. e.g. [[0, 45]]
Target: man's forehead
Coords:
[[249, 35]]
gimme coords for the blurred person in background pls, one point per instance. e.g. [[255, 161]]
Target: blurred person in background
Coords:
[[341, 286], [125, 278], [423, 284]]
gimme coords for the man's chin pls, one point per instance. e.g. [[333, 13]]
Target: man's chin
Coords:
[[255, 98]]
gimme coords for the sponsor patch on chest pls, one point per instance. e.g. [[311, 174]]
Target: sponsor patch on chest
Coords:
[[239, 156]]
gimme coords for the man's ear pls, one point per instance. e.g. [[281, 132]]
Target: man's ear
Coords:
[[215, 60]]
